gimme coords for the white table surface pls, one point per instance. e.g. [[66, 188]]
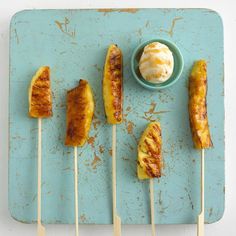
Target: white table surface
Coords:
[[226, 8]]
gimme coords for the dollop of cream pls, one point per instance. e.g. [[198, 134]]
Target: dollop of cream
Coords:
[[156, 63]]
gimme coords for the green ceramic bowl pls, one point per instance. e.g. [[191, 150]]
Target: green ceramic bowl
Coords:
[[178, 65]]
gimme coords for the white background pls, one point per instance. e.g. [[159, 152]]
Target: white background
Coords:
[[226, 8]]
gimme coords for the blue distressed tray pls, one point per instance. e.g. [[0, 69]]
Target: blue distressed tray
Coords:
[[74, 43]]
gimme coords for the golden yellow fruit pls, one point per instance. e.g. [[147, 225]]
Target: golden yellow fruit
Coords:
[[112, 85], [80, 110], [149, 152], [198, 106], [40, 96]]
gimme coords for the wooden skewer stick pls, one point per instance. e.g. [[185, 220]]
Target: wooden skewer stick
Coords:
[[116, 218], [152, 207], [41, 229], [76, 192], [200, 221]]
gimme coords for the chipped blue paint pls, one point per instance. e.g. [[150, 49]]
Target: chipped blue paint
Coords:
[[74, 43]]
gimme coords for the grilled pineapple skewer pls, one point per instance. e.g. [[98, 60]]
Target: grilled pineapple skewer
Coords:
[[113, 99], [149, 152], [40, 106], [150, 161], [112, 85], [198, 107], [199, 123], [80, 110], [40, 96]]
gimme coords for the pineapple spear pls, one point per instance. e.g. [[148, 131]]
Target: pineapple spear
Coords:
[[199, 123], [113, 99], [80, 110], [40, 106], [150, 161]]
